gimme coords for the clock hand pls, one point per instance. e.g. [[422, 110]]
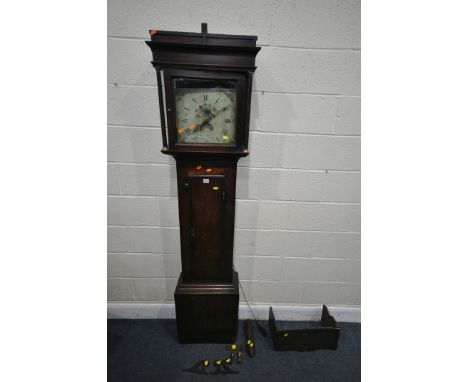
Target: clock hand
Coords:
[[208, 119], [222, 110]]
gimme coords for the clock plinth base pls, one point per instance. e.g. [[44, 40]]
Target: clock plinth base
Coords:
[[207, 311]]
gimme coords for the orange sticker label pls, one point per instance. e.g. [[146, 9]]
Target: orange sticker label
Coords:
[[209, 169], [191, 126], [181, 130], [199, 167]]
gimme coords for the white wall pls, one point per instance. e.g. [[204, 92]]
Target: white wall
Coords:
[[297, 237]]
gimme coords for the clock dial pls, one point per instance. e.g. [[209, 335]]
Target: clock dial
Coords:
[[205, 114]]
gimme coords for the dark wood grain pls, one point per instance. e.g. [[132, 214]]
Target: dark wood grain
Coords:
[[207, 311], [161, 107], [214, 220], [207, 295]]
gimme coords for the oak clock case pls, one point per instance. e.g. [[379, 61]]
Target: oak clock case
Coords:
[[204, 88]]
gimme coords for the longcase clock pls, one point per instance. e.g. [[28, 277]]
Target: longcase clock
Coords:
[[204, 87]]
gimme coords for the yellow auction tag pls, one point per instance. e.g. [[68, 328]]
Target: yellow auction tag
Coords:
[[215, 188], [225, 137], [285, 334]]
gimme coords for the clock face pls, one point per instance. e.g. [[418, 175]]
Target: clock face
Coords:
[[205, 111]]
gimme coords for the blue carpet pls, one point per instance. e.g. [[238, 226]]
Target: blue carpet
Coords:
[[147, 350]]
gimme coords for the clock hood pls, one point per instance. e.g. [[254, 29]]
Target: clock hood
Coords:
[[181, 49]]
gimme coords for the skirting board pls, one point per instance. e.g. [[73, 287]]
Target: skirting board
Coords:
[[282, 312]]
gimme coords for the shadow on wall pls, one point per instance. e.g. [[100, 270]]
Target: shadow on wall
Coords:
[[151, 174], [248, 179]]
